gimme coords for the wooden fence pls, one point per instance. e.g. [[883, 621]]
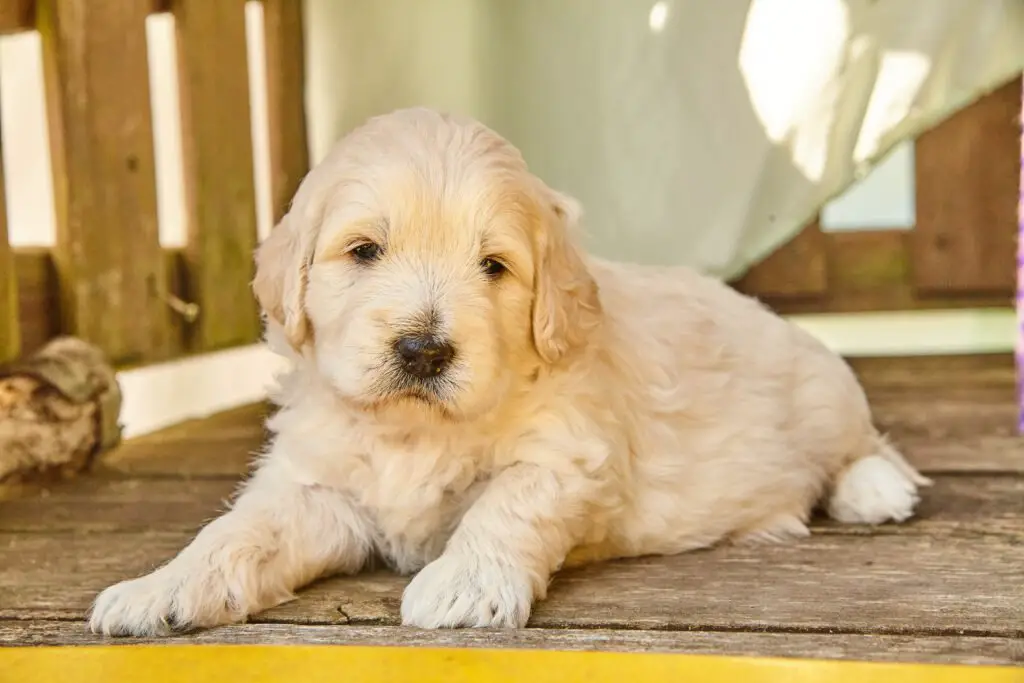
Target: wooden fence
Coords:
[[107, 279], [960, 252]]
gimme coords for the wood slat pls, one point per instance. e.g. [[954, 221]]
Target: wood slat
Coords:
[[286, 78], [967, 172], [951, 428], [796, 270], [881, 648], [217, 155], [925, 374], [108, 257], [17, 16], [955, 505], [38, 297], [10, 324], [879, 584]]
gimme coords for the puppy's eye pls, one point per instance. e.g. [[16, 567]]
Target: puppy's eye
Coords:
[[492, 267], [366, 253]]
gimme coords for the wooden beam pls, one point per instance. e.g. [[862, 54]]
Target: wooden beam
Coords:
[[796, 270], [220, 190], [967, 171], [10, 330], [871, 271], [112, 278], [17, 16], [285, 56]]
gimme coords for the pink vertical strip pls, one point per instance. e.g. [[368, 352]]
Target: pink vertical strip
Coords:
[[1020, 282]]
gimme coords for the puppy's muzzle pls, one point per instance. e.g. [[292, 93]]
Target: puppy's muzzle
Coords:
[[424, 356]]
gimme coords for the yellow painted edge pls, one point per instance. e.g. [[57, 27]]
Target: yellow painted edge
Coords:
[[330, 664]]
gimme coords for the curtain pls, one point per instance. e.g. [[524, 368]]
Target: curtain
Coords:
[[697, 132]]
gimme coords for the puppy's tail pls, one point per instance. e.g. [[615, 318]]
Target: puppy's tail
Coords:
[[879, 487]]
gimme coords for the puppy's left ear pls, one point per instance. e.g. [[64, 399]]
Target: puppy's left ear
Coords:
[[566, 304], [280, 284]]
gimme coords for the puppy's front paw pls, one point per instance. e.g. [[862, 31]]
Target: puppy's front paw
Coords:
[[139, 607], [456, 591], [171, 599]]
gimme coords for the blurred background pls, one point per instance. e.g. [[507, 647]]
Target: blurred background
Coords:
[[781, 145]]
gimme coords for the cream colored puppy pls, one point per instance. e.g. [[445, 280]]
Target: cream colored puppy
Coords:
[[475, 400]]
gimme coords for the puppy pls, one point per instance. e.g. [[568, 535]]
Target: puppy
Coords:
[[474, 399]]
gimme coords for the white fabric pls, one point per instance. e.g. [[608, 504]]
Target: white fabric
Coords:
[[699, 132]]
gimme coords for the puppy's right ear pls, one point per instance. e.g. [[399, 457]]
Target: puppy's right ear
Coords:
[[282, 261]]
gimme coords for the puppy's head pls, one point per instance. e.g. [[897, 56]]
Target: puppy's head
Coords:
[[424, 267]]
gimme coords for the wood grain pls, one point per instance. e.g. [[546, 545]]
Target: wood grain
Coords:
[[219, 446], [796, 270], [10, 323], [924, 374], [884, 648], [217, 156], [880, 584], [967, 172], [109, 263], [286, 80], [955, 505], [39, 305]]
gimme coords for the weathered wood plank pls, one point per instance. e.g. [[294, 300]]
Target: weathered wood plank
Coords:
[[112, 278], [959, 505], [218, 446], [217, 155], [946, 650], [100, 505], [967, 172], [953, 430], [923, 374], [797, 269], [286, 79], [17, 16], [10, 318], [880, 584]]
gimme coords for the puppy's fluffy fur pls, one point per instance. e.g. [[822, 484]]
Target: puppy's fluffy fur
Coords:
[[591, 410]]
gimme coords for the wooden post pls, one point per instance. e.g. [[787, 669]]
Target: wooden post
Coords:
[[220, 189], [289, 148], [10, 327], [966, 177], [108, 258]]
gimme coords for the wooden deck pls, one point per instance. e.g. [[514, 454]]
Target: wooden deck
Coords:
[[946, 588]]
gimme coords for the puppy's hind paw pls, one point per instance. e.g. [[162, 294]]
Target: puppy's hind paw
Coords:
[[873, 490]]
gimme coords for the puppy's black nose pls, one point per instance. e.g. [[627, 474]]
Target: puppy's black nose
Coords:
[[424, 356]]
